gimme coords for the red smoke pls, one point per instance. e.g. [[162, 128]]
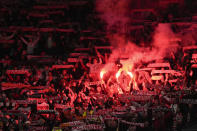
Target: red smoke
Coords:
[[116, 15]]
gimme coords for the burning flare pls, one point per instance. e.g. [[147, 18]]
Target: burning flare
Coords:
[[118, 74], [102, 74], [130, 74]]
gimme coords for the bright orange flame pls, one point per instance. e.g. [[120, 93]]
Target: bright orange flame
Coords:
[[102, 74], [130, 74], [120, 90]]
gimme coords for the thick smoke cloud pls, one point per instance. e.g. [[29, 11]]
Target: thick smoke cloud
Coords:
[[115, 13]]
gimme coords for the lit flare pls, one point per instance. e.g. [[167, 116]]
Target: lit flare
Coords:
[[118, 74], [102, 74], [130, 74]]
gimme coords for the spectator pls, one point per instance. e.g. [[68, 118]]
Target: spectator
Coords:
[[33, 40]]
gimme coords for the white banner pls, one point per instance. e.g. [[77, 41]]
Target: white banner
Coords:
[[88, 127]]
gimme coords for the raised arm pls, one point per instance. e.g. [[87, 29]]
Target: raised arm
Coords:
[[32, 43], [106, 58], [82, 64], [81, 79], [99, 56], [24, 40], [8, 37], [36, 40]]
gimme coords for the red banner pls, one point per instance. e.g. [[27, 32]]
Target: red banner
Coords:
[[17, 72], [7, 86], [62, 66], [61, 106]]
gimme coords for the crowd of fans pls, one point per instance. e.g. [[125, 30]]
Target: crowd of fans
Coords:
[[42, 90], [49, 96]]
